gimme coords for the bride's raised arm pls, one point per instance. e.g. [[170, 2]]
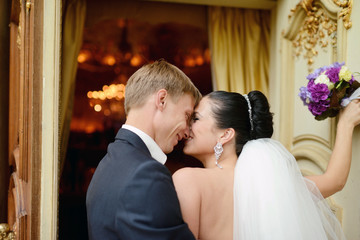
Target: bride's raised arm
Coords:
[[336, 174]]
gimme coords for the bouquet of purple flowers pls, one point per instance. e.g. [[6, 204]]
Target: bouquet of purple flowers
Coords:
[[329, 89]]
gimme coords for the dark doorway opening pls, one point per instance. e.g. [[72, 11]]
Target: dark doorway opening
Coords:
[[112, 50]]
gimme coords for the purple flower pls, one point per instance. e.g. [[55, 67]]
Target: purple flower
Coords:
[[314, 75], [333, 74], [319, 92], [304, 94], [352, 79], [317, 108], [337, 65], [310, 85], [321, 86], [318, 71]]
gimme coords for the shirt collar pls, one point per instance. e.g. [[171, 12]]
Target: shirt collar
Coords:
[[154, 149]]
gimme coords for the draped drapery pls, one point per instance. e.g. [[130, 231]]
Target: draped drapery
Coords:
[[239, 41], [73, 24]]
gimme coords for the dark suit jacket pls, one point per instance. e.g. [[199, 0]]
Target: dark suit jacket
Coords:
[[131, 195]]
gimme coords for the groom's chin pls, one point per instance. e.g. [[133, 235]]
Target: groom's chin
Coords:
[[168, 150]]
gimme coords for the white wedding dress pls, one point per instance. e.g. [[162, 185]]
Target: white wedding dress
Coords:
[[272, 200]]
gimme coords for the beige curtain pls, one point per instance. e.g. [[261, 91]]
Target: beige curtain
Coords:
[[239, 41], [73, 25]]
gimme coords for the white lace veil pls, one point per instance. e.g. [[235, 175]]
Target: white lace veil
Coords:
[[272, 200]]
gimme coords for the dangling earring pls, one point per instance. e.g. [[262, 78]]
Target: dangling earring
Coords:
[[218, 151]]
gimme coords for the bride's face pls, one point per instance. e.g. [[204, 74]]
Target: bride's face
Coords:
[[203, 132]]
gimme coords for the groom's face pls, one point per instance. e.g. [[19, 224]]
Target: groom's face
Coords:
[[173, 125]]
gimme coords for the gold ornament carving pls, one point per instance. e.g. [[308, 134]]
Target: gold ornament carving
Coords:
[[18, 38], [6, 233], [28, 5], [345, 12], [318, 28]]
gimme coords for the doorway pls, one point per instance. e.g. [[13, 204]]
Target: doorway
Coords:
[[118, 38]]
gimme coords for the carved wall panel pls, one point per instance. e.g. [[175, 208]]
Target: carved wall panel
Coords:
[[315, 36], [24, 119]]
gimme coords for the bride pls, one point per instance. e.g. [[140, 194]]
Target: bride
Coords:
[[251, 187]]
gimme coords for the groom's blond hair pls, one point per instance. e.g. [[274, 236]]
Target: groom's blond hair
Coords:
[[153, 77]]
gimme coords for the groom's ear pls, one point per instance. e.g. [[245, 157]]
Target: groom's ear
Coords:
[[228, 135], [161, 98]]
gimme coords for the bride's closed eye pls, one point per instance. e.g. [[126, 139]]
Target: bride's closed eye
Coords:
[[194, 119]]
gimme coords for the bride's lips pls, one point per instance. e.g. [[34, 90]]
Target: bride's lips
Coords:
[[188, 140]]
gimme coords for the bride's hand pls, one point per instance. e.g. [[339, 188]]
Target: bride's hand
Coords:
[[351, 114]]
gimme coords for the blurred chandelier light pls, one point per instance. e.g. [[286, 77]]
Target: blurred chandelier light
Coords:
[[96, 55], [114, 49], [108, 99]]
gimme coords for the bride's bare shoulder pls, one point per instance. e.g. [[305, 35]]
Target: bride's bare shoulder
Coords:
[[189, 172], [189, 175]]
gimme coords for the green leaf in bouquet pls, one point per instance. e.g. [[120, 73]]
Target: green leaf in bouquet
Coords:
[[321, 117], [331, 112], [334, 111], [336, 96], [341, 85]]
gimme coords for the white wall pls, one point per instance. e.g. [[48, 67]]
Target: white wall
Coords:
[[350, 196]]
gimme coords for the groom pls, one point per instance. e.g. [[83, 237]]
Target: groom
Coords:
[[131, 195]]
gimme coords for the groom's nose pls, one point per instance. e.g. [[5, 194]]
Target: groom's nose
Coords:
[[187, 132]]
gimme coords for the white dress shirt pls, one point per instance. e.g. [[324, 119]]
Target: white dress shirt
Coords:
[[154, 149]]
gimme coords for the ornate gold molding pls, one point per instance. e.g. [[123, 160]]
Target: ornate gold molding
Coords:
[[28, 5], [345, 11], [318, 27], [6, 233]]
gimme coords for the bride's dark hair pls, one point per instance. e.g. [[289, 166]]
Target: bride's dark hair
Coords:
[[230, 110]]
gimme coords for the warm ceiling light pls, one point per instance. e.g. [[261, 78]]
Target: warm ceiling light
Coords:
[[90, 129], [135, 60], [102, 96], [189, 62], [89, 94], [121, 87], [83, 56], [107, 112], [95, 94], [109, 92], [109, 60], [97, 107], [120, 95], [105, 87], [199, 60]]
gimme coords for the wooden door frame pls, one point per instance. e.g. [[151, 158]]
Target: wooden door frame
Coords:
[[25, 114], [36, 117], [37, 88]]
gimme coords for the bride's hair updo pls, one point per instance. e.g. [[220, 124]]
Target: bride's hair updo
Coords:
[[230, 110]]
